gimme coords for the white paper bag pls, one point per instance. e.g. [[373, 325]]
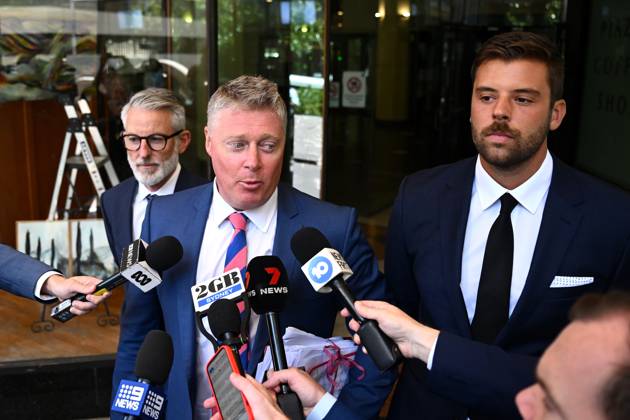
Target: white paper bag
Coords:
[[327, 360]]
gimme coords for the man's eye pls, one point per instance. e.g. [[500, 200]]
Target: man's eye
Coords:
[[523, 101], [156, 138], [485, 98], [268, 147], [132, 139], [236, 145]]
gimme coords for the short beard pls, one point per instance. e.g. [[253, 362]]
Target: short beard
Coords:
[[512, 155], [164, 170]]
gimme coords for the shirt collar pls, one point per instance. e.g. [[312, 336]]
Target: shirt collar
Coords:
[[261, 216], [529, 194], [166, 189]]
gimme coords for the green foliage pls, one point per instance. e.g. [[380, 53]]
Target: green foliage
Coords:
[[311, 101]]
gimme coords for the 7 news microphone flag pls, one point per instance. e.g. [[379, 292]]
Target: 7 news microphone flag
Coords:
[[268, 291]]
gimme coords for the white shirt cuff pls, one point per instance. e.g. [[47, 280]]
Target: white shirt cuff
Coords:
[[40, 284], [431, 353], [322, 407]]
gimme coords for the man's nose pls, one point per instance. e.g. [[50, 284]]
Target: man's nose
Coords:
[[502, 109]]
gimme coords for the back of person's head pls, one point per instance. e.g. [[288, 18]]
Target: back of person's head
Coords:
[[520, 45], [250, 93], [157, 99], [615, 397]]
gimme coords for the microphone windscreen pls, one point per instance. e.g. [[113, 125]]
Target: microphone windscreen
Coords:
[[268, 288], [307, 242], [164, 252], [155, 357], [224, 317]]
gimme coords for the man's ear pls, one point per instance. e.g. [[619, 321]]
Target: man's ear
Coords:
[[184, 141], [208, 143], [558, 111]]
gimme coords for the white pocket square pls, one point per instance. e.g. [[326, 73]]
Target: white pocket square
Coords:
[[570, 281]]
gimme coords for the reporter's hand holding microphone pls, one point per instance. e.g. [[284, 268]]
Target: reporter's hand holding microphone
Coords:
[[411, 337]]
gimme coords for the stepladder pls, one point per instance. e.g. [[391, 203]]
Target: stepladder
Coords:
[[89, 154]]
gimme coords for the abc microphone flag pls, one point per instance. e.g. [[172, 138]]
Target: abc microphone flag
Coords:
[[139, 265], [141, 398]]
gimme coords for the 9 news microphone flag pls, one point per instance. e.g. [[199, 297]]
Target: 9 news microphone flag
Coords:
[[141, 398]]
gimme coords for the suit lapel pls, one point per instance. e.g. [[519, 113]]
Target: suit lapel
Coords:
[[286, 225], [124, 212], [558, 227], [193, 232], [454, 207]]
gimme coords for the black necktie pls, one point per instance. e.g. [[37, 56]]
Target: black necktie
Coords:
[[493, 296]]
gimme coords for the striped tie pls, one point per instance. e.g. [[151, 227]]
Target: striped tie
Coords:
[[236, 257]]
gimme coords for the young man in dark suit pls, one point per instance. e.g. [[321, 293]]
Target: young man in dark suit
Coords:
[[489, 253], [155, 135]]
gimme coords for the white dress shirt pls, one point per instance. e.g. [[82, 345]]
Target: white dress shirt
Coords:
[[261, 230], [526, 218], [140, 201]]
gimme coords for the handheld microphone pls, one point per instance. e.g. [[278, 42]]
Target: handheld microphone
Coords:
[[268, 291], [140, 399], [326, 270], [224, 320], [140, 266], [228, 285]]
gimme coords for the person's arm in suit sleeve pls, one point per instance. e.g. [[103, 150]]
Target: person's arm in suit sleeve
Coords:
[[364, 397], [108, 228], [141, 313], [19, 273], [400, 279], [24, 276], [472, 373]]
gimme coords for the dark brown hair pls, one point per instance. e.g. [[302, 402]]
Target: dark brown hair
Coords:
[[615, 397], [520, 45]]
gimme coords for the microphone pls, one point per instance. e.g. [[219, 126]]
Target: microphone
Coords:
[[224, 320], [326, 270], [140, 399], [139, 265], [268, 291], [228, 285]]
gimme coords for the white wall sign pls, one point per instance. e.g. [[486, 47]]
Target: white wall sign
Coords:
[[354, 89]]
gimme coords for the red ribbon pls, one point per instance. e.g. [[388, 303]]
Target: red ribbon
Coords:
[[335, 360]]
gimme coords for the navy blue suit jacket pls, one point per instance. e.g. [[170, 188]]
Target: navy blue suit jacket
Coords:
[[19, 272], [585, 231], [169, 306], [117, 209]]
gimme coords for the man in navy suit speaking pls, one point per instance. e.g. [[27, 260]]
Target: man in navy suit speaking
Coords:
[[245, 213], [489, 253]]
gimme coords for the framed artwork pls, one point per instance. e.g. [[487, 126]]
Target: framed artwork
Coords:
[[90, 249], [74, 247], [46, 241]]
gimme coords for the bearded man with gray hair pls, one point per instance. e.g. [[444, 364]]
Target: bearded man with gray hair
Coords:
[[154, 135]]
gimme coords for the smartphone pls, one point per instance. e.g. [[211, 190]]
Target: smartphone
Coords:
[[231, 403]]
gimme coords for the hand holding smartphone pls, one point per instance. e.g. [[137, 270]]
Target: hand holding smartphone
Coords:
[[231, 403]]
